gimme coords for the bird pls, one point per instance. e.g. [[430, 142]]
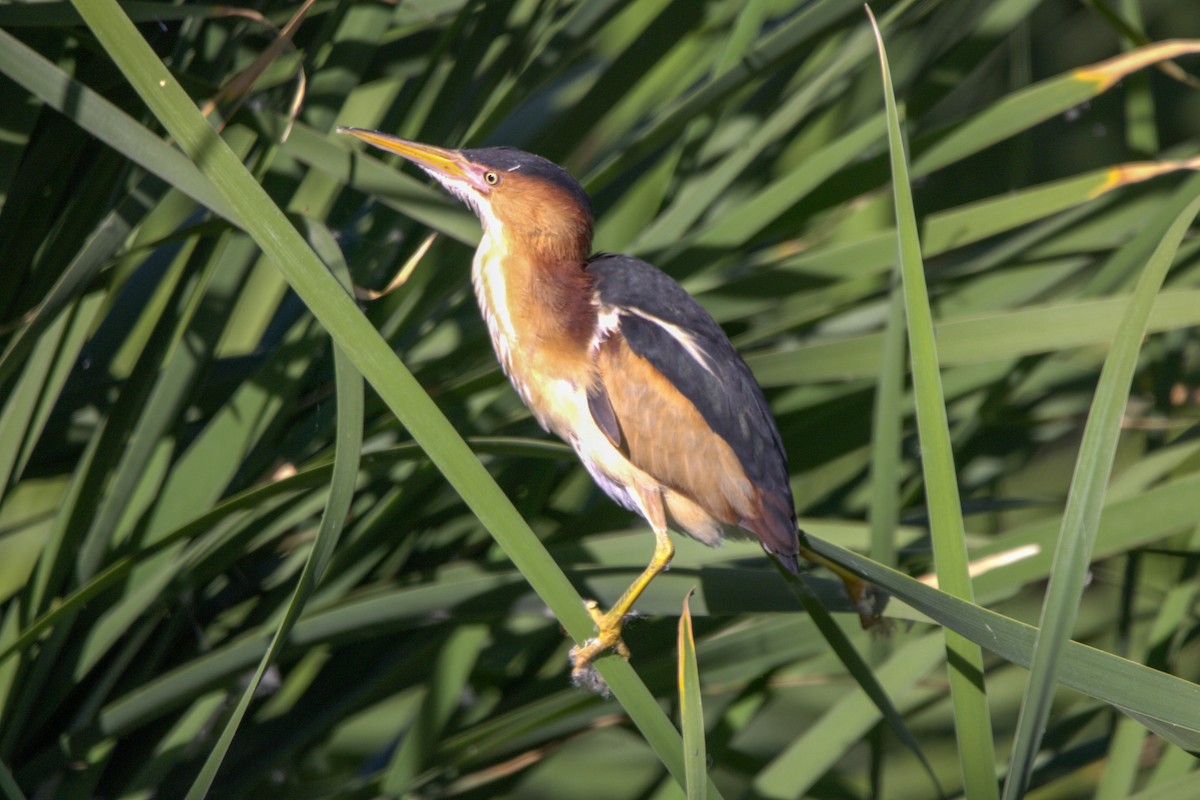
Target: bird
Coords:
[[617, 359]]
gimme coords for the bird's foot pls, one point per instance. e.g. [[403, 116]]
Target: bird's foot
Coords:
[[867, 600], [608, 637]]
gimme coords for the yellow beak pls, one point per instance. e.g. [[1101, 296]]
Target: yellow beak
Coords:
[[447, 163]]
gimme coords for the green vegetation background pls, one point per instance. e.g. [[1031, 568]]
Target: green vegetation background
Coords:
[[169, 412]]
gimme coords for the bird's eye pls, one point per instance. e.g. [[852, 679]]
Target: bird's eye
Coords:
[[491, 178]]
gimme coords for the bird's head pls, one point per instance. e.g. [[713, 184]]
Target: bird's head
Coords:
[[521, 199]]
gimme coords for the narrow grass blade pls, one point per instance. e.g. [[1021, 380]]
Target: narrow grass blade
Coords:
[[1029, 106], [1122, 268], [8, 785], [974, 222], [1182, 788], [886, 429], [691, 710], [104, 120], [443, 693], [1085, 502], [1125, 753], [669, 226], [345, 469], [20, 405], [100, 246], [794, 772], [869, 682], [742, 223], [886, 470], [813, 22], [1168, 705], [180, 343], [256, 497], [971, 713], [980, 338]]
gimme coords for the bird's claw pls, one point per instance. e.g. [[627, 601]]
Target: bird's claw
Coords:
[[593, 609], [608, 630]]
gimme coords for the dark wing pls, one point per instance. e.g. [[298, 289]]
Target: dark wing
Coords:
[[663, 325], [600, 405]]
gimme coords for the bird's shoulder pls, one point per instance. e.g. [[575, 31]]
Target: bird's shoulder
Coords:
[[630, 284], [667, 326]]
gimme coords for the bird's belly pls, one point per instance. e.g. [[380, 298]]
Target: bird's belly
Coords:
[[561, 407]]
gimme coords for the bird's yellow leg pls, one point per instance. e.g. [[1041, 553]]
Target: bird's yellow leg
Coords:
[[608, 624]]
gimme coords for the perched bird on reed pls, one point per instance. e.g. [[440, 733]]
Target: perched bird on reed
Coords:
[[616, 358]]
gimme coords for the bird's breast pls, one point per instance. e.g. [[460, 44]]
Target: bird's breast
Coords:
[[547, 365], [491, 291], [537, 343]]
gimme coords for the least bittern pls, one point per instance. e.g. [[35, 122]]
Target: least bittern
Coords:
[[615, 357]]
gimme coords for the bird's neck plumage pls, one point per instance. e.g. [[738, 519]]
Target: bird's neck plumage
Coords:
[[539, 307]]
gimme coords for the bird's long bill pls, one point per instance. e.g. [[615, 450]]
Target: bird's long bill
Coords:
[[445, 162]]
